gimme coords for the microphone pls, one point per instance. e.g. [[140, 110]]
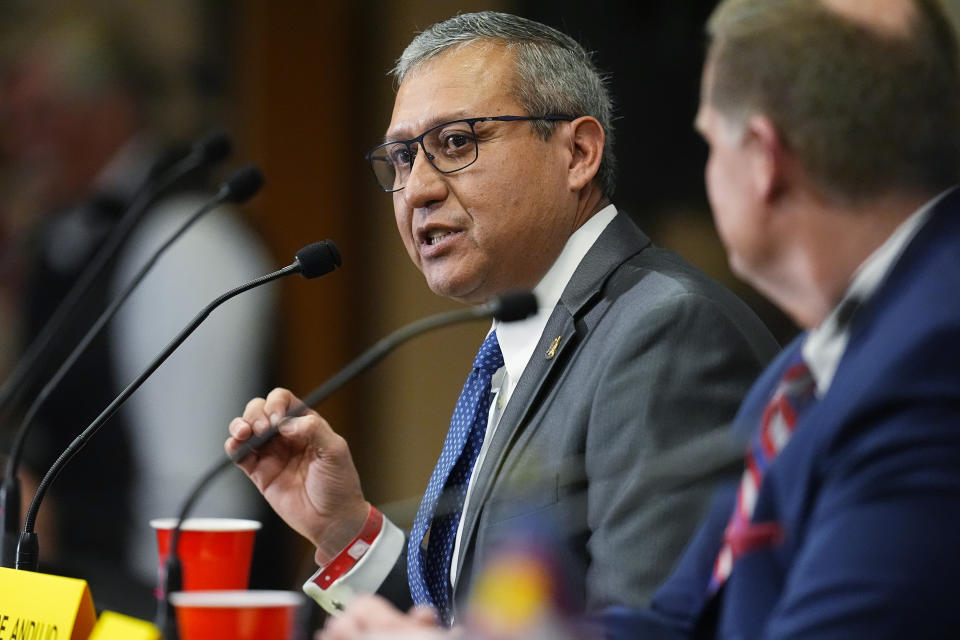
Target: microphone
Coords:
[[206, 152], [510, 307], [238, 188], [312, 261]]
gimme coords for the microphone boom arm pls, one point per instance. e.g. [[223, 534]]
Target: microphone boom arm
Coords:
[[240, 186], [80, 441], [311, 261], [13, 461], [17, 382], [356, 366]]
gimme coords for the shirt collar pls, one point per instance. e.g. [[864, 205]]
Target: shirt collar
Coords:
[[519, 339], [825, 345]]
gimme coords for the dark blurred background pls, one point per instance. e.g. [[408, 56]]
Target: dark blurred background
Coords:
[[302, 87]]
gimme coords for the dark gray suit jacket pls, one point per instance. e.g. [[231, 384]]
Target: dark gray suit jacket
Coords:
[[617, 436]]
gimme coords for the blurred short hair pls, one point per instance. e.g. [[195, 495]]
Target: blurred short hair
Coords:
[[866, 112]]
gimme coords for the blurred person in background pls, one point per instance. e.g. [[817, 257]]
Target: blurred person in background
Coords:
[[82, 113]]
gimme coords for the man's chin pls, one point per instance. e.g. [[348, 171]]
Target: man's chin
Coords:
[[465, 292]]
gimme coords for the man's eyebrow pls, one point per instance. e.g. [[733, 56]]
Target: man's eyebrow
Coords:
[[425, 125]]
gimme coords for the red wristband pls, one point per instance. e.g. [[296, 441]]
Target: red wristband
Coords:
[[352, 553]]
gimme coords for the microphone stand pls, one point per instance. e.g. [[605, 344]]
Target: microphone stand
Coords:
[[314, 260], [241, 186], [210, 149]]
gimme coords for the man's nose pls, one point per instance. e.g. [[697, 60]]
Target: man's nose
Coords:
[[424, 183]]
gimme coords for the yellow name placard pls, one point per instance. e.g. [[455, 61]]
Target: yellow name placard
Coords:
[[114, 626], [39, 606]]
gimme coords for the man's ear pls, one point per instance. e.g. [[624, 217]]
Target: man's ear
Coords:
[[586, 144], [767, 157]]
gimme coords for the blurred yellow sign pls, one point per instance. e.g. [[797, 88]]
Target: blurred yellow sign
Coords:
[[114, 626]]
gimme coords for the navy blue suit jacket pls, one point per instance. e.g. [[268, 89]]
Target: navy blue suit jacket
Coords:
[[867, 491]]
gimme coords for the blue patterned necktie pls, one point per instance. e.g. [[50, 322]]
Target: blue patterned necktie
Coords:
[[429, 572]]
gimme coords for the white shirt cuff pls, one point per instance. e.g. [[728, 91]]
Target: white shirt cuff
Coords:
[[365, 577]]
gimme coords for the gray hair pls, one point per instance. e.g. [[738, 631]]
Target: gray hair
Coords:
[[554, 73], [866, 112]]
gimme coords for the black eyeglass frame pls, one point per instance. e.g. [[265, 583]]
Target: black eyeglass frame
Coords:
[[471, 122]]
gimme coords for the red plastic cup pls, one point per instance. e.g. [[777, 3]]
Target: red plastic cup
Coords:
[[235, 615], [215, 553]]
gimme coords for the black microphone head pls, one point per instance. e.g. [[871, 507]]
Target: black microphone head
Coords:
[[212, 148], [515, 305], [242, 185], [318, 258]]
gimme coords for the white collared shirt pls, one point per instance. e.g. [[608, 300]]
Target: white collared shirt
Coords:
[[518, 340], [825, 345]]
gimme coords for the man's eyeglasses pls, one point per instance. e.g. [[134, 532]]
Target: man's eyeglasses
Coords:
[[449, 147]]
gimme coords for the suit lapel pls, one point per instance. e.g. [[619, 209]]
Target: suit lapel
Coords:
[[521, 402], [619, 241]]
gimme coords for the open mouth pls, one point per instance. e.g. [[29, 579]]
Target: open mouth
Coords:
[[436, 236]]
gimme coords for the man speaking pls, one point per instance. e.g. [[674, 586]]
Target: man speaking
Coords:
[[499, 160]]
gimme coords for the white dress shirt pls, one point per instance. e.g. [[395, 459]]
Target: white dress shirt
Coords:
[[517, 343]]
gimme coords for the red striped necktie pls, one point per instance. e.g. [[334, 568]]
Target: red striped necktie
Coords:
[[793, 394]]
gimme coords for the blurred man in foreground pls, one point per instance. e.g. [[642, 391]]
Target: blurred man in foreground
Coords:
[[499, 161], [834, 153]]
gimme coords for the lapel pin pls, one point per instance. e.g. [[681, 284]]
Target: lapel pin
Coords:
[[552, 350]]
